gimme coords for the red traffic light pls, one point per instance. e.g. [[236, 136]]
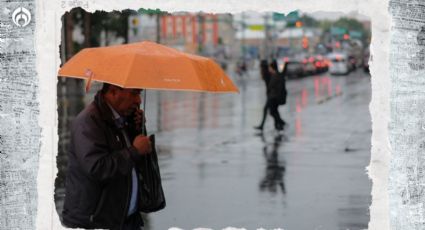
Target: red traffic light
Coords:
[[337, 45], [305, 42], [346, 36]]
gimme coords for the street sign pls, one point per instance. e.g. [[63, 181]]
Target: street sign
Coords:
[[292, 17], [256, 27], [356, 34], [338, 31], [278, 17]]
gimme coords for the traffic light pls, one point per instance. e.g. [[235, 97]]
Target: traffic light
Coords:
[[135, 22], [298, 24], [337, 45], [346, 36], [305, 42]]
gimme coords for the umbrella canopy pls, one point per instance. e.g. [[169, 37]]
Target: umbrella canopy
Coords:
[[147, 65]]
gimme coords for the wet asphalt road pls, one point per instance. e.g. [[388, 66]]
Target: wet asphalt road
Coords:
[[218, 171]]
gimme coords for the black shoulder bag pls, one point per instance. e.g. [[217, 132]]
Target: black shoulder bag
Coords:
[[151, 197]]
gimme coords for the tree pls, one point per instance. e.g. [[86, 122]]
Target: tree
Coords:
[[308, 21], [348, 24], [351, 24], [325, 25], [110, 22]]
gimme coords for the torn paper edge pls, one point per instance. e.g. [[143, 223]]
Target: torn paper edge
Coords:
[[48, 37]]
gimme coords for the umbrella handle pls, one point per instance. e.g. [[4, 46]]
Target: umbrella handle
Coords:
[[144, 131]]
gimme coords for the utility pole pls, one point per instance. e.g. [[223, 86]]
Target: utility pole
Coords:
[[200, 33], [158, 27], [243, 36], [69, 27], [266, 36], [61, 90], [87, 29]]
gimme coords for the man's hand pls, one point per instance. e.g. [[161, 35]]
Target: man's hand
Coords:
[[139, 119], [142, 144]]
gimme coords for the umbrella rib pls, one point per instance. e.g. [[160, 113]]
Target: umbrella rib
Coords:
[[194, 69]]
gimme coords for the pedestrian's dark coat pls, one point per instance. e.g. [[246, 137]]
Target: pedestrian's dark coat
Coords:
[[265, 73], [276, 89], [98, 183]]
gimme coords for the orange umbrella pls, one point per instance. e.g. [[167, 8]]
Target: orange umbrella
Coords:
[[147, 65]]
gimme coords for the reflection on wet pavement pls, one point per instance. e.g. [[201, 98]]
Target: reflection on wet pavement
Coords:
[[218, 171], [275, 170]]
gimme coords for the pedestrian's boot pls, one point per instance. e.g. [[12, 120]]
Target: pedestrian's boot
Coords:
[[279, 126], [260, 127]]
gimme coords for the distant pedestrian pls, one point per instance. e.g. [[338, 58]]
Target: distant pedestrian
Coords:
[[276, 93], [241, 68], [265, 75]]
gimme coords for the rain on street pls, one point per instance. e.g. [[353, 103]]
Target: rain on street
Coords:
[[218, 171]]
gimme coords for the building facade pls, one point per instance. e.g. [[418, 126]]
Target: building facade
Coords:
[[200, 33]]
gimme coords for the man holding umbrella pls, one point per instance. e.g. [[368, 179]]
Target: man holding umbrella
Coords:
[[102, 183], [107, 152]]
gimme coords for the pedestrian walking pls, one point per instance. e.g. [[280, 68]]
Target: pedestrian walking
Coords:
[[102, 183], [265, 75], [276, 93], [241, 68]]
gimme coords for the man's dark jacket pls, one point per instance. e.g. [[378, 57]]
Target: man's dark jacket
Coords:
[[276, 89], [98, 182]]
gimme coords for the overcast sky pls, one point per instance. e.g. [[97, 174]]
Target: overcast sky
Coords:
[[336, 15], [252, 16]]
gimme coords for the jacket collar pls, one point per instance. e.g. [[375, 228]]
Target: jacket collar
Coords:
[[104, 110], [114, 112]]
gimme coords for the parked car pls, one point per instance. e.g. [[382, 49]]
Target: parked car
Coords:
[[339, 63], [352, 61], [366, 61], [308, 65], [320, 63], [294, 67]]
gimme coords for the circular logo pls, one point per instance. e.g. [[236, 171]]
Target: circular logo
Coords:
[[21, 17]]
